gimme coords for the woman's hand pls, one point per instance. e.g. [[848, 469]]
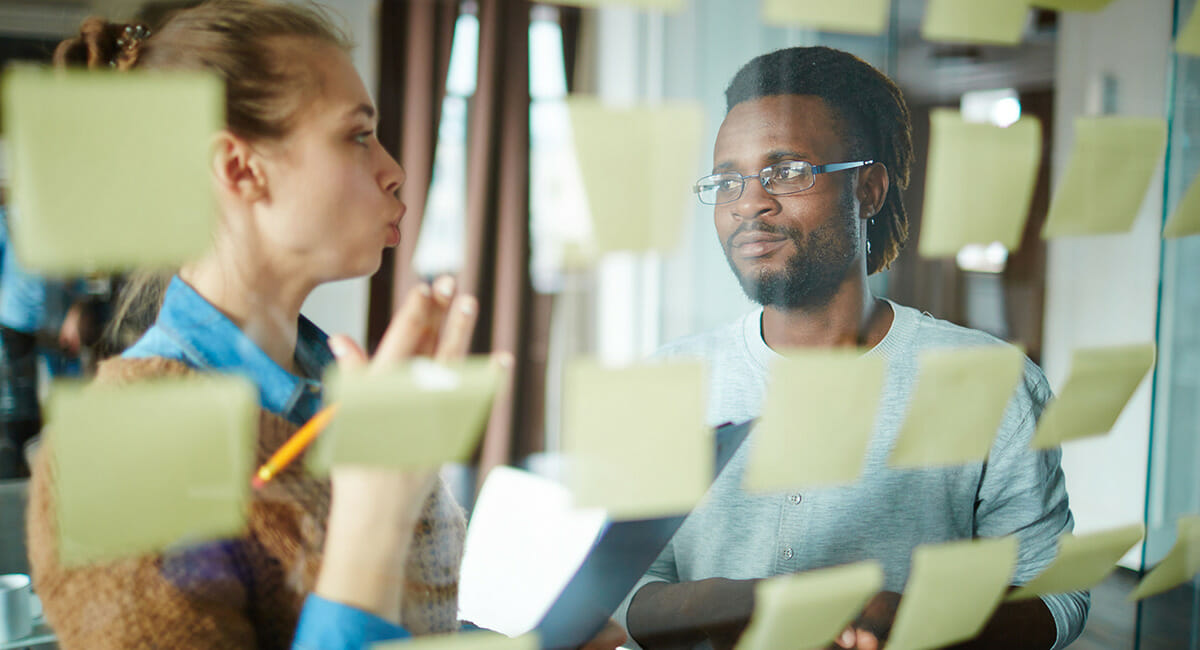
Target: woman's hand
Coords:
[[373, 510]]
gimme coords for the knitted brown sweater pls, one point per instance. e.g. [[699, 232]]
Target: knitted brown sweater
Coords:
[[239, 593]]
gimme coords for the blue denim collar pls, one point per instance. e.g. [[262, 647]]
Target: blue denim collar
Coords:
[[190, 329]]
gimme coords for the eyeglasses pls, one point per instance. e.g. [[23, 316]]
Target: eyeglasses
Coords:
[[787, 177]]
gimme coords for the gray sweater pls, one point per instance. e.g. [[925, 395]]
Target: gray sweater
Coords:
[[888, 512]]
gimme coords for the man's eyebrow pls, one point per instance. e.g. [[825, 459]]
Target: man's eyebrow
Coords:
[[777, 155]]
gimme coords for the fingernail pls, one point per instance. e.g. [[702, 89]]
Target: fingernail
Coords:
[[444, 286], [337, 346], [467, 305], [505, 359], [847, 639], [424, 289]]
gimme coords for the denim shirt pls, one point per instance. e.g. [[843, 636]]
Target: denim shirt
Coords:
[[191, 330]]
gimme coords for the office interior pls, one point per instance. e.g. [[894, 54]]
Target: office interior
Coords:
[[1050, 296]]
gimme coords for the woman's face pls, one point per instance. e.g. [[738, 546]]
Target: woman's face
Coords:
[[332, 201]]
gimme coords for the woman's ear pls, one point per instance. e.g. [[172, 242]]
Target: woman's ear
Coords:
[[873, 183], [237, 168]]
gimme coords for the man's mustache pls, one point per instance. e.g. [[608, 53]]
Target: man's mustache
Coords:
[[757, 225]]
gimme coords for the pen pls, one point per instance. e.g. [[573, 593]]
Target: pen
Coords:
[[294, 446]]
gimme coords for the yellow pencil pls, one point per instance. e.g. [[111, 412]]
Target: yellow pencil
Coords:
[[292, 448]]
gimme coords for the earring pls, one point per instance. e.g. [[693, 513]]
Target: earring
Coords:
[[870, 224]]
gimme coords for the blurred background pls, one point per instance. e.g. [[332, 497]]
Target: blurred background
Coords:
[[472, 101]]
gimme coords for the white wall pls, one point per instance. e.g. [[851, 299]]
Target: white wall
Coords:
[[1103, 290]]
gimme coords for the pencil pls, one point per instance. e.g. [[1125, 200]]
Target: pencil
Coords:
[[294, 446]]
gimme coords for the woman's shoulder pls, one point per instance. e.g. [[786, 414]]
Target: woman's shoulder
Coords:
[[124, 370]]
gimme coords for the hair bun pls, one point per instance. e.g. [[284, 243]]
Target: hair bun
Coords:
[[102, 44]]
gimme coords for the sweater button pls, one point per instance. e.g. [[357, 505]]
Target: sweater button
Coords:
[[795, 499], [787, 553]]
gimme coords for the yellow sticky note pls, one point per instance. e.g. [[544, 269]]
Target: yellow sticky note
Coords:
[[1082, 562], [1186, 218], [853, 16], [122, 184], [634, 438], [998, 22], [957, 405], [1071, 5], [463, 641], [668, 6], [1180, 564], [979, 182], [952, 591], [145, 466], [817, 421], [807, 610], [418, 415], [1187, 41], [1107, 176], [1101, 381], [638, 166]]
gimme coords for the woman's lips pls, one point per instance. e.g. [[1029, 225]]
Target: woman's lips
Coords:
[[393, 235]]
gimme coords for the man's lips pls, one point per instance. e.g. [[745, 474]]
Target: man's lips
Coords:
[[757, 244]]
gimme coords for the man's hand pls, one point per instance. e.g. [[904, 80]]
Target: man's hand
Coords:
[[870, 630], [609, 638]]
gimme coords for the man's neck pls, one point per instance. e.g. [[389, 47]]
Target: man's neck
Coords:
[[853, 318]]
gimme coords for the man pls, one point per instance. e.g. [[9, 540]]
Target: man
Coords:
[[808, 167]]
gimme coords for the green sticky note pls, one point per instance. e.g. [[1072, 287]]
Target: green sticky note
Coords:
[[1107, 176], [463, 641], [853, 16], [144, 466], [979, 182], [634, 438], [1187, 41], [817, 420], [123, 184], [638, 166], [1180, 564], [952, 591], [1186, 219], [1082, 562], [957, 405], [1101, 381], [418, 415], [1071, 5], [807, 610], [667, 6], [998, 22]]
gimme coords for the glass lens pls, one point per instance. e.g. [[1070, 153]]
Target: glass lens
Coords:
[[788, 177], [718, 188]]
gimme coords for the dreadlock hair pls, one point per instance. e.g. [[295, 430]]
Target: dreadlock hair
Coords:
[[874, 118]]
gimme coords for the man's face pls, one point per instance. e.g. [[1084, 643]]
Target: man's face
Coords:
[[791, 251]]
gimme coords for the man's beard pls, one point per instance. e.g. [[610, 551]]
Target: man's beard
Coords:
[[813, 274]]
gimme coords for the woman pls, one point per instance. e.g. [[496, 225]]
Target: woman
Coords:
[[306, 195]]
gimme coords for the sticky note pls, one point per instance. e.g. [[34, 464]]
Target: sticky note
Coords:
[[417, 415], [1107, 175], [668, 6], [463, 641], [998, 22], [1186, 218], [817, 420], [979, 183], [852, 16], [1187, 41], [807, 610], [123, 184], [145, 466], [1101, 382], [957, 405], [1082, 562], [1180, 564], [634, 438], [1071, 5], [952, 591], [638, 165]]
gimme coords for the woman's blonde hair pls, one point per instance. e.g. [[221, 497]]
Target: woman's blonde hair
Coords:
[[242, 42]]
